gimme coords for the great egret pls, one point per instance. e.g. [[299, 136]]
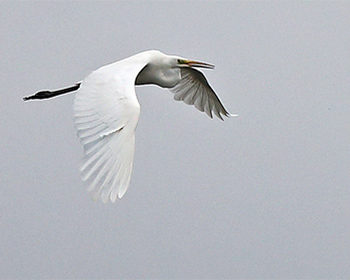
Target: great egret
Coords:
[[106, 112]]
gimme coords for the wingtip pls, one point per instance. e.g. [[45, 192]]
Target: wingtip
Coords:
[[232, 115], [121, 193], [228, 115]]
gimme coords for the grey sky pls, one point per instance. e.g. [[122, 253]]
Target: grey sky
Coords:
[[265, 195]]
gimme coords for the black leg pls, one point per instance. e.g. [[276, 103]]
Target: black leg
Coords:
[[45, 94]]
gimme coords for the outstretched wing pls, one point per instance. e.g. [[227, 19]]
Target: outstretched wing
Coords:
[[194, 89], [106, 112]]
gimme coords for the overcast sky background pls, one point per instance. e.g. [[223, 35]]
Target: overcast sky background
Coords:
[[264, 195]]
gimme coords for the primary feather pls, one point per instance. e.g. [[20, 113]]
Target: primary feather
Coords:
[[194, 89]]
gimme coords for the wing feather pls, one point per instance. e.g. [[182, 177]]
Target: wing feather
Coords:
[[106, 112], [194, 89]]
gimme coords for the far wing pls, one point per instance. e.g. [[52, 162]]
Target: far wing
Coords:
[[106, 112], [194, 89]]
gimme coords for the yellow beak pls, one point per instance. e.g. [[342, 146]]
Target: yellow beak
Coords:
[[199, 64]]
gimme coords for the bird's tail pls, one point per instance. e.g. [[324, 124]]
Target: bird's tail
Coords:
[[45, 94]]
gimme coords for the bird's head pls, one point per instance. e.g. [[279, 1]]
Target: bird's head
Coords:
[[160, 59], [165, 70]]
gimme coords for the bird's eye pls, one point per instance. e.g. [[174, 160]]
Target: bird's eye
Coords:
[[180, 61]]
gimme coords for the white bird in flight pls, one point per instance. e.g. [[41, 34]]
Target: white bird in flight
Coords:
[[106, 112]]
